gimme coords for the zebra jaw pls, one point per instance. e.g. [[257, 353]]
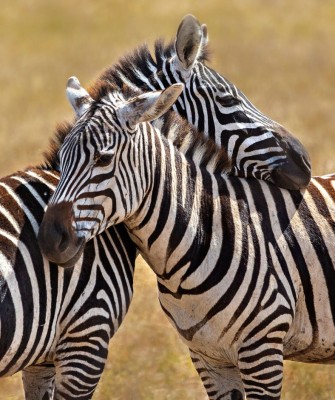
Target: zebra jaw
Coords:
[[79, 99]]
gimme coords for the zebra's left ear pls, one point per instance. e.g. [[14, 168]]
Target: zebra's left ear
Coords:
[[190, 40], [149, 106], [79, 99]]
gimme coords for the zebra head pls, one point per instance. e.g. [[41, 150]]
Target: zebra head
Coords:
[[258, 146], [95, 157]]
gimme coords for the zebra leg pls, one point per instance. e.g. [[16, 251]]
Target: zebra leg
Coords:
[[222, 382], [79, 369], [39, 382], [262, 372], [75, 382]]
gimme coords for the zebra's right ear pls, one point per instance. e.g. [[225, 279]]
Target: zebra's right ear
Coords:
[[79, 99], [149, 106], [190, 40]]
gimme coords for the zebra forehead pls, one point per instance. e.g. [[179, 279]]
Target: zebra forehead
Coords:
[[105, 89]]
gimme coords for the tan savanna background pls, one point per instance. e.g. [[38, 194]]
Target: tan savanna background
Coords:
[[281, 53]]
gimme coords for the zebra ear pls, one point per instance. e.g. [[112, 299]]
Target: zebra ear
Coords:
[[191, 36], [149, 106], [204, 39], [79, 99]]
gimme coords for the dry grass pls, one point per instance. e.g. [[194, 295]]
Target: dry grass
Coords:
[[280, 53]]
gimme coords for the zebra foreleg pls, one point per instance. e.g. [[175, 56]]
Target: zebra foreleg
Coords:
[[39, 382], [222, 382], [262, 372], [79, 369]]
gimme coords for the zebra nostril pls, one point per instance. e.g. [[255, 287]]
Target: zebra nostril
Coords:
[[236, 395], [64, 242]]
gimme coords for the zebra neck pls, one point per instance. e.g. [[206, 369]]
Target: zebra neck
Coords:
[[174, 212], [192, 217]]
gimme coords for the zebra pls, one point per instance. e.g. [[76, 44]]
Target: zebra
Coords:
[[27, 193], [245, 269], [56, 323], [258, 146]]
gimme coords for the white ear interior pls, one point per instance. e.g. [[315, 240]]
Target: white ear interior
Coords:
[[149, 106], [188, 41]]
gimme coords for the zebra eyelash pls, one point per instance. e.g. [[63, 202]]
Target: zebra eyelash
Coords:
[[228, 101], [103, 158]]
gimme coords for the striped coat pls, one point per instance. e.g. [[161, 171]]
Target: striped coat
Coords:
[[55, 324], [245, 270], [257, 146], [23, 214]]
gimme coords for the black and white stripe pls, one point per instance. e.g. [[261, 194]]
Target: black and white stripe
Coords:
[[256, 145], [55, 323], [19, 238], [245, 270]]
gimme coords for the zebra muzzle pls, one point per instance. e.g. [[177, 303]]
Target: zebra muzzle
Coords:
[[295, 173], [57, 238]]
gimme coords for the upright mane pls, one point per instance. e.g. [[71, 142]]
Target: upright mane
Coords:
[[193, 143], [51, 158], [130, 69], [140, 62], [185, 137]]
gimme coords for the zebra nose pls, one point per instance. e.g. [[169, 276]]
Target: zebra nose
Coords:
[[295, 173], [57, 238]]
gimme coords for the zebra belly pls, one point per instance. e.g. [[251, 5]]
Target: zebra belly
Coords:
[[311, 340], [320, 350], [219, 336], [205, 340], [304, 259]]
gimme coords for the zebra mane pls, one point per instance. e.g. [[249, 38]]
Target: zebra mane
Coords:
[[140, 62], [51, 158], [193, 143], [186, 138], [133, 66]]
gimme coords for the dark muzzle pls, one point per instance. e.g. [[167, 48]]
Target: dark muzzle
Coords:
[[295, 173], [57, 239]]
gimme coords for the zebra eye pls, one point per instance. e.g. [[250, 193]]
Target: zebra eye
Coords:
[[227, 101], [103, 159]]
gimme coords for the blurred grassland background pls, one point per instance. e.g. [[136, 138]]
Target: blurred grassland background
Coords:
[[281, 53]]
